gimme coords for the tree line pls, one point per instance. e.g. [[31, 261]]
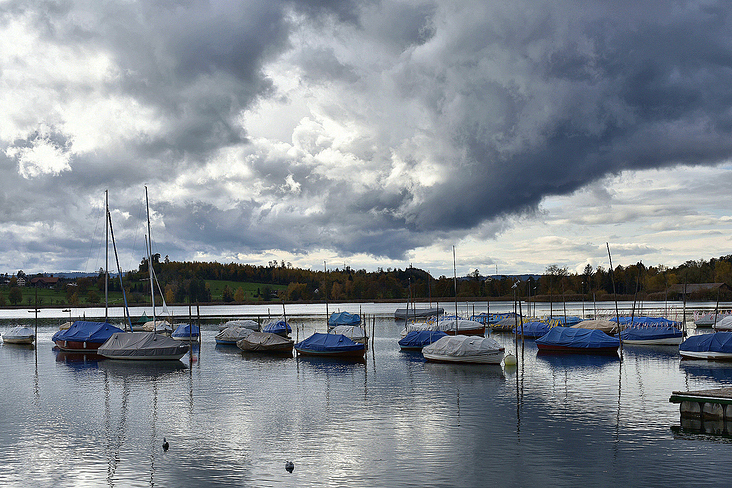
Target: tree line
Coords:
[[191, 282]]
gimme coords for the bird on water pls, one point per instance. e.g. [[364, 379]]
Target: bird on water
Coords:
[[165, 444], [289, 466]]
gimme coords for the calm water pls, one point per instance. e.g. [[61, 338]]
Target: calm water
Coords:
[[393, 421]]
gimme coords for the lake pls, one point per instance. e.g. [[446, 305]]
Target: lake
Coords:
[[391, 421]]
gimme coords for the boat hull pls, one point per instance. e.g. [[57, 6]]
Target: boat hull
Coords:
[[286, 349], [18, 340], [578, 350], [493, 358], [357, 354], [668, 341], [166, 357], [467, 332], [709, 355], [78, 346]]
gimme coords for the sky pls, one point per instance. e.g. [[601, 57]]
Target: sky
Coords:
[[370, 134]]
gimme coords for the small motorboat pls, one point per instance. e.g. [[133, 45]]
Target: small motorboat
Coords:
[[343, 318], [232, 334], [186, 332], [279, 327], [572, 340], [266, 342], [353, 332], [158, 326], [330, 345], [464, 349], [606, 326], [19, 335], [532, 330], [715, 346], [417, 339], [84, 336], [660, 336], [142, 346], [246, 323]]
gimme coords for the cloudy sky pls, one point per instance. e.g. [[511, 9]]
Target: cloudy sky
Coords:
[[366, 133]]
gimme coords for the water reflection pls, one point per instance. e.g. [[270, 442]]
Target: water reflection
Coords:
[[78, 360], [713, 370], [575, 360], [141, 369]]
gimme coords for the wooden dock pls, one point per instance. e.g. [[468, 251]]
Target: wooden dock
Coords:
[[707, 411]]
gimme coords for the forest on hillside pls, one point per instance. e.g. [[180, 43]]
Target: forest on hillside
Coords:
[[197, 282]]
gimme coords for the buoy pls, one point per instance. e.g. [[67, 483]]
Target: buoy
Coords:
[[165, 444], [289, 466], [509, 360]]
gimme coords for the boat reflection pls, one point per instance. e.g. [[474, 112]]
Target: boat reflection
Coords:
[[232, 349], [577, 360], [78, 360], [448, 371], [714, 370], [411, 356], [265, 357], [693, 427], [141, 369], [651, 351], [327, 364]]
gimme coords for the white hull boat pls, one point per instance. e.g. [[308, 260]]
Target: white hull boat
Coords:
[[19, 335], [464, 349]]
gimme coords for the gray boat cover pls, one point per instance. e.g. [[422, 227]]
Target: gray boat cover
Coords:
[[233, 334], [141, 344], [264, 341], [463, 346], [353, 332], [249, 324]]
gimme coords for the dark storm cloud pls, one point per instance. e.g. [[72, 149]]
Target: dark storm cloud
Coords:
[[410, 121]]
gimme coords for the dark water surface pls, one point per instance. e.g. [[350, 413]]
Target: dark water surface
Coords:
[[392, 421]]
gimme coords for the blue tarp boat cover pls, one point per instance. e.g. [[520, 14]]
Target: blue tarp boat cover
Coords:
[[716, 342], [493, 318], [344, 318], [567, 321], [325, 343], [533, 329], [578, 338], [186, 330], [421, 338], [277, 327], [649, 333], [650, 321], [82, 331]]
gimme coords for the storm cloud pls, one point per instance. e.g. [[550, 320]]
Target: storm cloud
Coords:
[[359, 127]]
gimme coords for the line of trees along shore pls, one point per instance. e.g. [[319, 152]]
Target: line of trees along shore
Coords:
[[206, 282]]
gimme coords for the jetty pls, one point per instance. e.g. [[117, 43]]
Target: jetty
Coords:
[[705, 411]]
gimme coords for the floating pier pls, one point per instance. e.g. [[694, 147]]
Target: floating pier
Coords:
[[705, 411]]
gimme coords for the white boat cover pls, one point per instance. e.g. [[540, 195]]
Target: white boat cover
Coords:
[[463, 348], [445, 325], [233, 334], [159, 326], [19, 333], [724, 323], [606, 326], [65, 326], [142, 345], [248, 324], [264, 341], [353, 332]]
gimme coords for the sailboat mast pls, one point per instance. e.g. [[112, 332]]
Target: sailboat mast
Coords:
[[106, 256], [454, 270], [148, 242]]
